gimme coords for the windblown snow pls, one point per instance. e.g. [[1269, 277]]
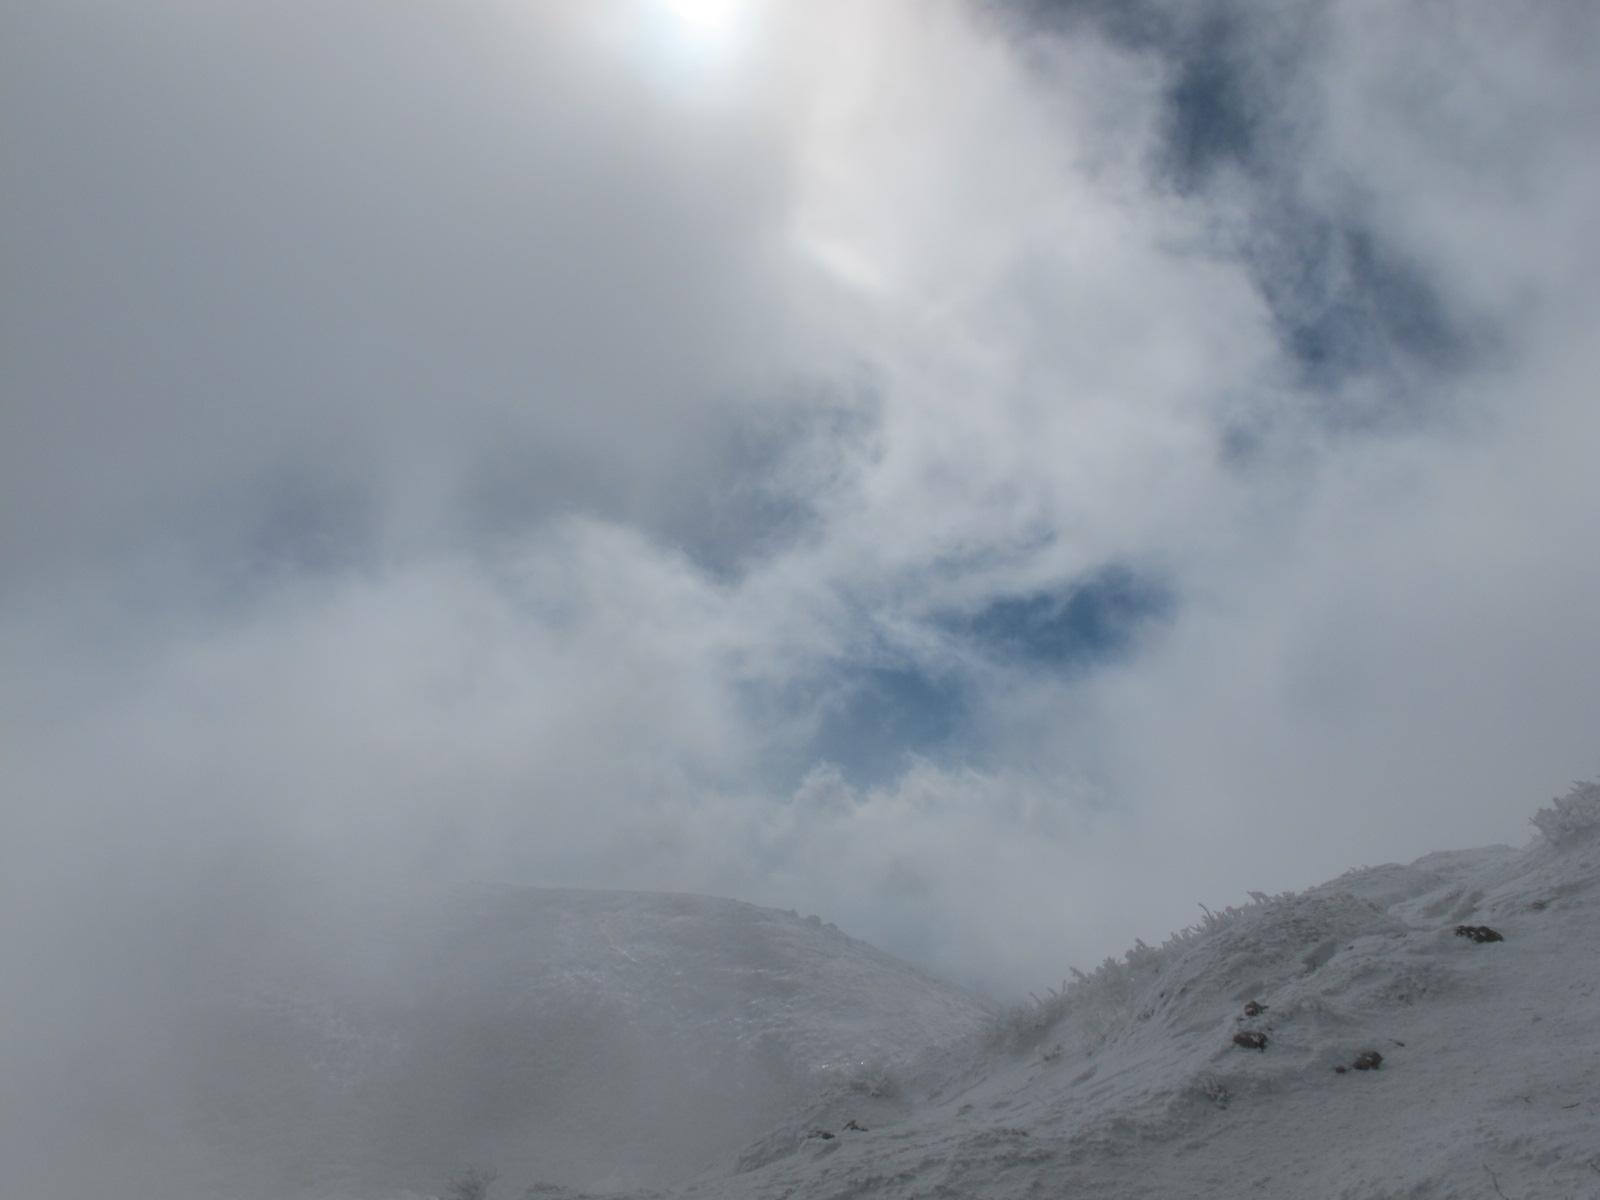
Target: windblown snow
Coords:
[[1430, 1030]]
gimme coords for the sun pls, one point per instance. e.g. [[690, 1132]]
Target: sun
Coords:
[[706, 18], [700, 50], [698, 45]]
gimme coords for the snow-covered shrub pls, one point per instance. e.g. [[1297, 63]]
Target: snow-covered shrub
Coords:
[[1575, 813], [1212, 1089], [471, 1184], [1106, 995], [1023, 1026], [874, 1079]]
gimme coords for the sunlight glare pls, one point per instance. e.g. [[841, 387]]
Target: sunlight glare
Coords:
[[706, 18], [697, 47]]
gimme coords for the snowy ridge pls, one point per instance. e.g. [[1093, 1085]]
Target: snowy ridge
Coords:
[[1398, 1057], [753, 979], [589, 1038], [1427, 1030], [1130, 1083]]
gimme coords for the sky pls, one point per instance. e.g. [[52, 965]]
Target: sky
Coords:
[[995, 475]]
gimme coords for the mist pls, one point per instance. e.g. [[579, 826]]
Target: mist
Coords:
[[995, 475]]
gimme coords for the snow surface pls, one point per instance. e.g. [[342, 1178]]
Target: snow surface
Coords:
[[687, 1048], [1129, 1083]]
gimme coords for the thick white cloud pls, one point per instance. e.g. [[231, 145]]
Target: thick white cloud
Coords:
[[452, 443]]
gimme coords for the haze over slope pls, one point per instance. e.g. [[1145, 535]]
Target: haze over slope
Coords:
[[583, 1037]]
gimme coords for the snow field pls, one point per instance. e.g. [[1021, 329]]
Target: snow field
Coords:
[[1129, 1083]]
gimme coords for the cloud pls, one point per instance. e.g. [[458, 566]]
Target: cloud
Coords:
[[295, 250], [995, 477]]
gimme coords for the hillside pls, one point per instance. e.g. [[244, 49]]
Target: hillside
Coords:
[[1130, 1083], [1363, 1040], [591, 1038]]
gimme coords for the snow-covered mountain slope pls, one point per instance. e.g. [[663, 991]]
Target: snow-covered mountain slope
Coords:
[[599, 1039], [1365, 1039], [1133, 1081]]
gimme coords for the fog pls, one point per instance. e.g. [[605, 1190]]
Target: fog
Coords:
[[994, 475]]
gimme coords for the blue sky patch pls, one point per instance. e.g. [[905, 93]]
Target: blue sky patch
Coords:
[[881, 716], [870, 715], [1087, 624]]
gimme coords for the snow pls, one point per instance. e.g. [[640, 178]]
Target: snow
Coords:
[[680, 1047], [1129, 1084], [593, 1039]]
